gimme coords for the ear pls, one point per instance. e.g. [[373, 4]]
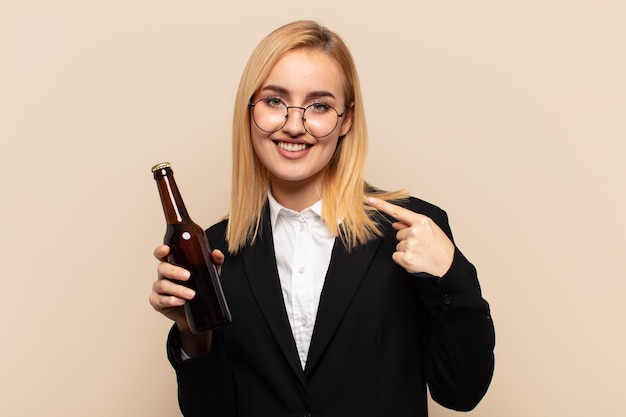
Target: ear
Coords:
[[346, 120]]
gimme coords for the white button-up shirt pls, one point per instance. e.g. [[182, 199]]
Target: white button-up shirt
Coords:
[[303, 247]]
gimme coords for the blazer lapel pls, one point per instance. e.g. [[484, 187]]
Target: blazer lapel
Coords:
[[262, 274], [345, 274]]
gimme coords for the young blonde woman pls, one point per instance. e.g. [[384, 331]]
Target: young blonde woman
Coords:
[[346, 300]]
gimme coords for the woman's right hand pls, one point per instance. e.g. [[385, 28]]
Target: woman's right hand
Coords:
[[168, 294]]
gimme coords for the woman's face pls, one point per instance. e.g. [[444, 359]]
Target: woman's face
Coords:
[[293, 156]]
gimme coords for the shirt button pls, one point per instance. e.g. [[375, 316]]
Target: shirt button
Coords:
[[447, 300], [301, 270]]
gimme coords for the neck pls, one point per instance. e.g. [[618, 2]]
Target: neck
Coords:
[[296, 196]]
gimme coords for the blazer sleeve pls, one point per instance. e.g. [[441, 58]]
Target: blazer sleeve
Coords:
[[460, 337], [205, 384]]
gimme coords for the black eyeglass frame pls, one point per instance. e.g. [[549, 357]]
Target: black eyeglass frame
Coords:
[[304, 109]]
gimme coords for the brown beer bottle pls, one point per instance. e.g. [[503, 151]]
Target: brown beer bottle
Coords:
[[189, 248]]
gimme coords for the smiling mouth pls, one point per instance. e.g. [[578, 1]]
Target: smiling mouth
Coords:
[[292, 147]]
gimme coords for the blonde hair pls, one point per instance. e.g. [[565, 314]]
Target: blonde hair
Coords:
[[343, 189]]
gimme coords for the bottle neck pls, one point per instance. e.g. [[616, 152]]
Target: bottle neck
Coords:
[[173, 205]]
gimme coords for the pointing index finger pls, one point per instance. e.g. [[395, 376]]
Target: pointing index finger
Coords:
[[399, 213]]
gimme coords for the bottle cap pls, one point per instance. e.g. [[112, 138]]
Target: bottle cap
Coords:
[[160, 166]]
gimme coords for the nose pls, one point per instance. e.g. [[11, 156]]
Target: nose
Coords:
[[294, 125]]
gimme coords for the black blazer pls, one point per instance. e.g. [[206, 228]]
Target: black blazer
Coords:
[[381, 335]]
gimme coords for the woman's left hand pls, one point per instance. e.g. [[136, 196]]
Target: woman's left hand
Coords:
[[422, 246]]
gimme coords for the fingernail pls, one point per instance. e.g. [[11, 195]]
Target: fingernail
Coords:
[[178, 301], [372, 200], [185, 274], [190, 293]]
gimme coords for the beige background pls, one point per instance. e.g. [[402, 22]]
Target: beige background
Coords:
[[510, 115]]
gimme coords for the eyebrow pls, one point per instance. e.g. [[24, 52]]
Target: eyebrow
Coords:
[[282, 90]]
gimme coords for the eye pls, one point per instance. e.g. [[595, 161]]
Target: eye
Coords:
[[319, 107], [273, 102]]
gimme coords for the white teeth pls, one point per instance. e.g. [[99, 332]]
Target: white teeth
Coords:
[[292, 147]]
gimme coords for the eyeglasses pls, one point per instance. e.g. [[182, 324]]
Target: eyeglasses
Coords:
[[271, 114]]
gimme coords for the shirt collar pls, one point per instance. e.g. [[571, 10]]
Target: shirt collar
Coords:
[[276, 208]]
